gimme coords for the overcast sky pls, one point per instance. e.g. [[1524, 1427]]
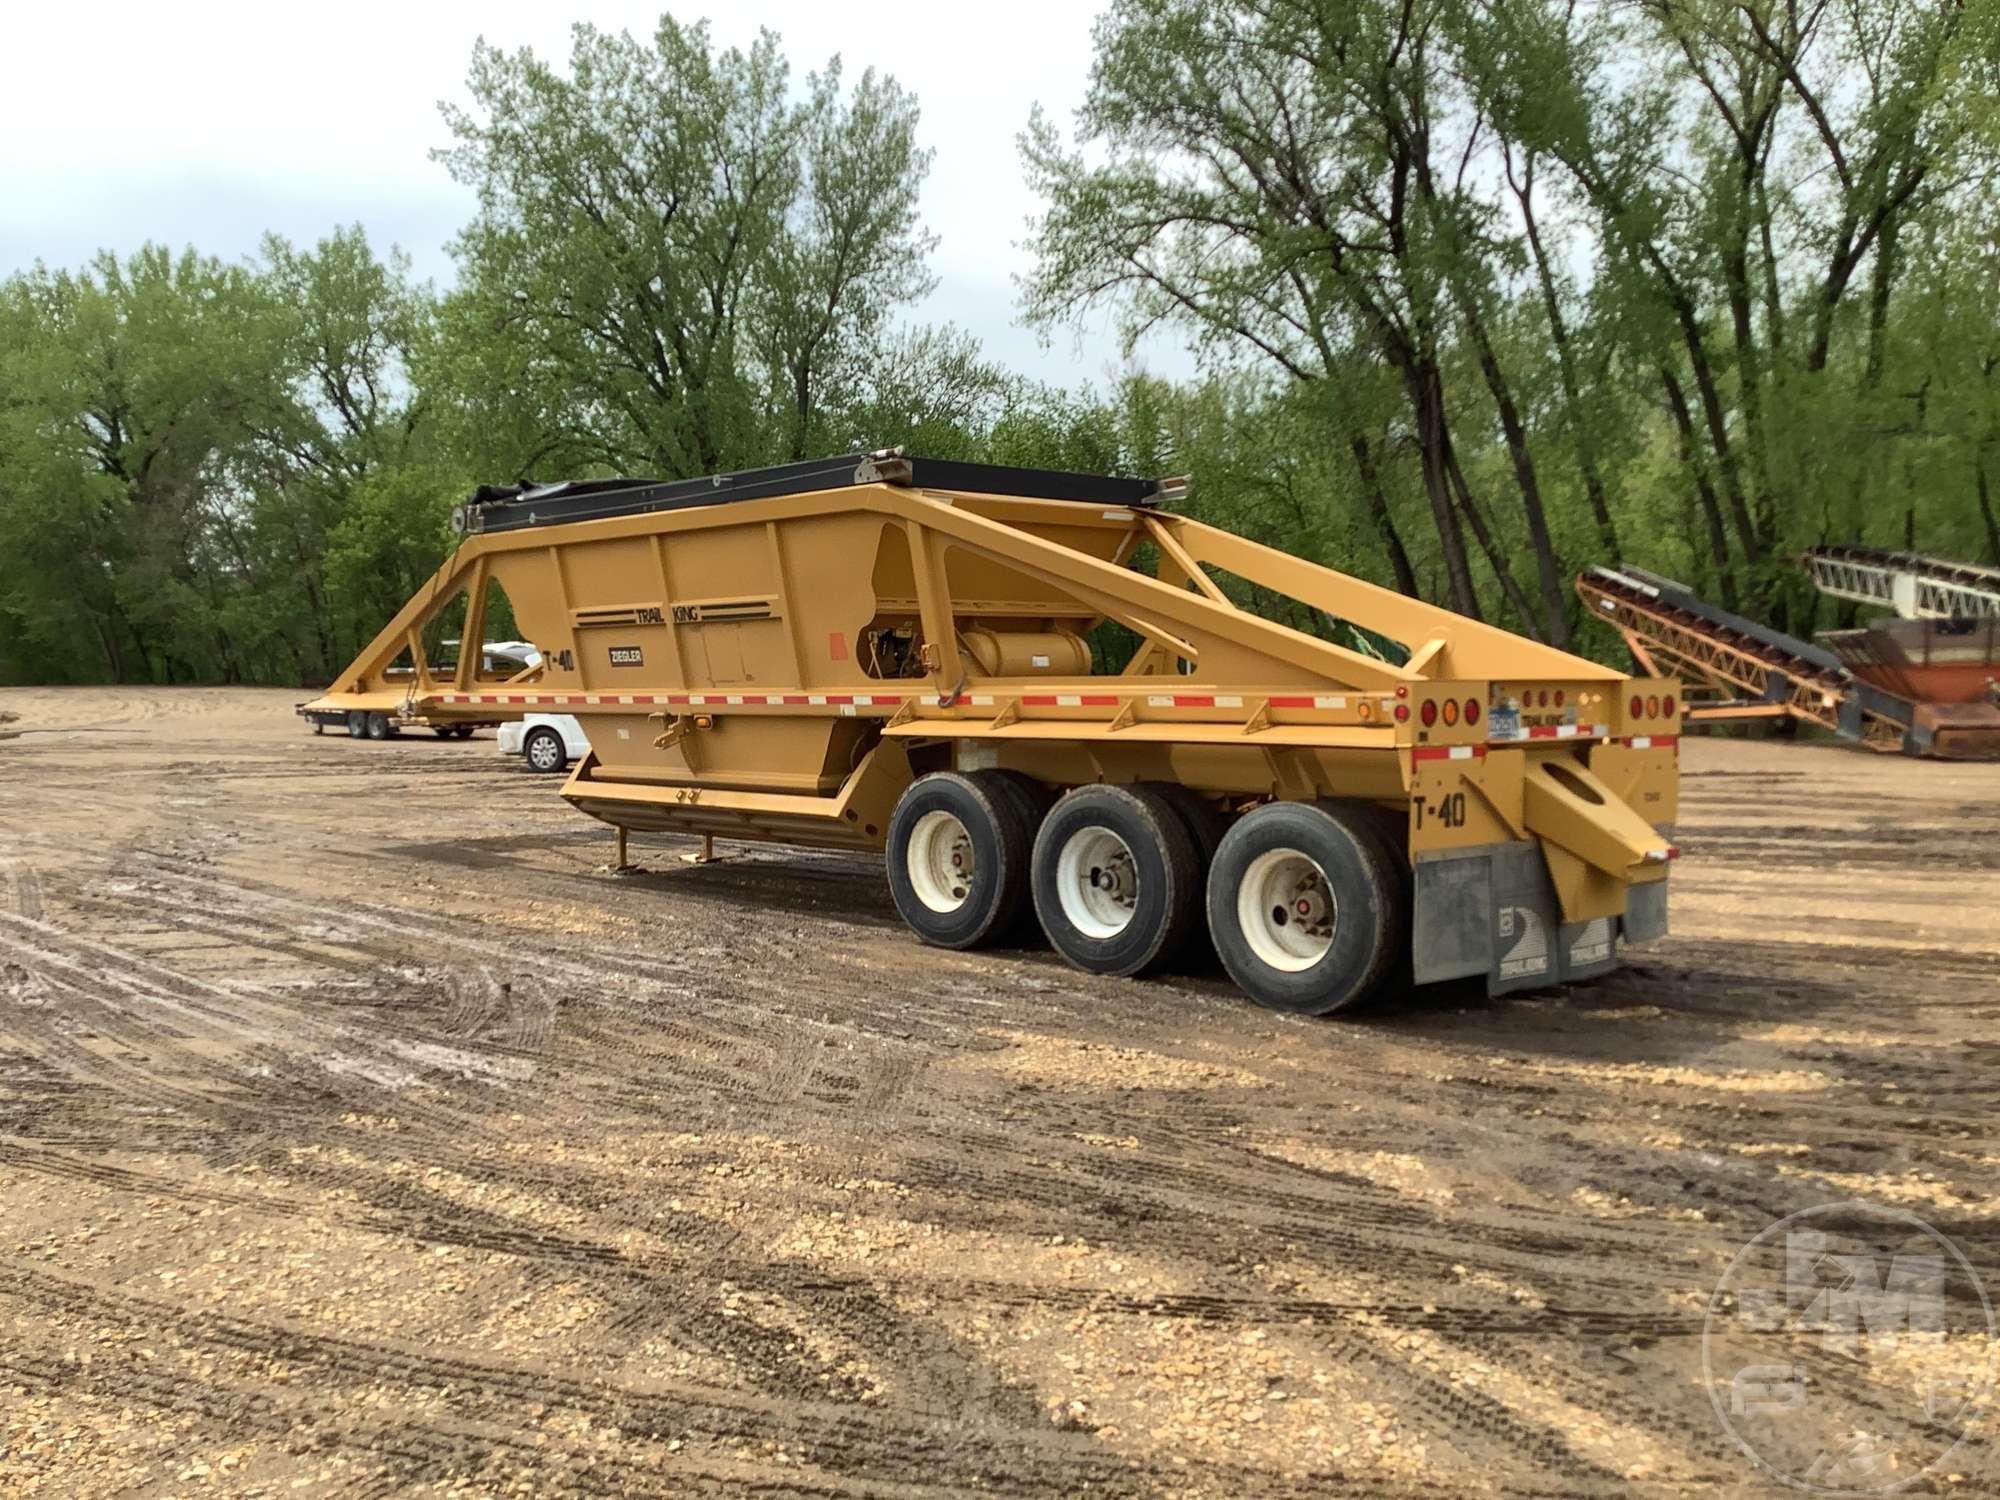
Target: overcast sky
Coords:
[[209, 123]]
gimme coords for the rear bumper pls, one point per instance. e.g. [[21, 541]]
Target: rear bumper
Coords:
[[1493, 911]]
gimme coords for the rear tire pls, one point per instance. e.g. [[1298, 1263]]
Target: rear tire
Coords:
[[1116, 880], [462, 731], [378, 727], [1206, 824], [958, 859], [544, 751], [357, 724], [1305, 906], [444, 731], [1032, 799]]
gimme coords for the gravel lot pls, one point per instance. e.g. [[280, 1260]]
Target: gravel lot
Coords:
[[361, 1132]]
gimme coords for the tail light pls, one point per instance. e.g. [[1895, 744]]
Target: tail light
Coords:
[[1652, 708], [1667, 705], [1451, 711], [1559, 697], [1429, 712], [1472, 710], [1638, 707], [1402, 713]]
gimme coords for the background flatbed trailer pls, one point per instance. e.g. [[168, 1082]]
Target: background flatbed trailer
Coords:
[[890, 653], [382, 703]]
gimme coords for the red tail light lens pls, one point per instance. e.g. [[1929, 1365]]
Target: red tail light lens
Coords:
[[1402, 713], [1429, 712], [1638, 706], [1667, 705], [1559, 697], [1472, 710]]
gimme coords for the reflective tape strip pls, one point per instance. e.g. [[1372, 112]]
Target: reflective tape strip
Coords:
[[1448, 752]]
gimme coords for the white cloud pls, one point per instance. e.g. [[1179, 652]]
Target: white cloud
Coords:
[[207, 124]]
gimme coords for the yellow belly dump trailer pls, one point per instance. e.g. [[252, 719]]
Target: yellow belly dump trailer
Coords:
[[888, 653]]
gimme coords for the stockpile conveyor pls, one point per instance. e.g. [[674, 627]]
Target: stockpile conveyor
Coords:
[[1914, 586], [1867, 686]]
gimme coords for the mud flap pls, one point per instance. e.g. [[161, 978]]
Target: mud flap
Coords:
[[1527, 923], [1645, 913], [1494, 912]]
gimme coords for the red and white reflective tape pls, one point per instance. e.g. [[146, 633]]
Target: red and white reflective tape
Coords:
[[692, 700], [1651, 741], [1564, 732], [1448, 752]]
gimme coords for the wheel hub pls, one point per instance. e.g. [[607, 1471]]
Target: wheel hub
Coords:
[[1286, 910], [1097, 883], [942, 865]]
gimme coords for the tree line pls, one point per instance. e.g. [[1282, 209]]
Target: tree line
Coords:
[[1481, 290]]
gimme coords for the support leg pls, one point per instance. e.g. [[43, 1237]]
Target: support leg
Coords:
[[622, 862], [707, 855]]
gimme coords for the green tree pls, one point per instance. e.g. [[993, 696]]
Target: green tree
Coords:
[[678, 254]]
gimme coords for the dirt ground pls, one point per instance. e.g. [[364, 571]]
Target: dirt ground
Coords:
[[362, 1132]]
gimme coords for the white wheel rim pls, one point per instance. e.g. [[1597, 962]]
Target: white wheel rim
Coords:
[[940, 862], [1286, 910], [1097, 883]]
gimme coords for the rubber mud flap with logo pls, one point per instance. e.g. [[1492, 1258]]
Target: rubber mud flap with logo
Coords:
[[1588, 949], [1527, 924]]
